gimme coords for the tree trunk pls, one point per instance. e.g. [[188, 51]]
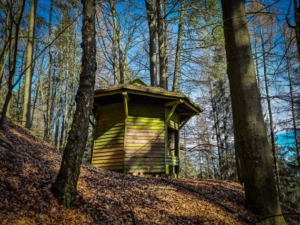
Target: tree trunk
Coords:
[[294, 113], [151, 14], [114, 41], [64, 187], [36, 97], [217, 128], [47, 114], [166, 41], [59, 102], [297, 28], [65, 115], [249, 128], [225, 112], [5, 49], [29, 64], [161, 44], [121, 58], [178, 48]]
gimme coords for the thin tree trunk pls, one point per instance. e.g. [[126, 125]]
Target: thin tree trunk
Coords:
[[64, 187], [217, 130], [28, 74], [58, 104], [34, 102], [293, 112], [65, 115], [249, 128], [166, 41], [121, 58], [40, 83], [5, 50], [161, 45], [12, 61], [118, 38], [178, 48], [114, 41], [297, 28], [273, 147], [151, 14], [47, 115], [225, 128]]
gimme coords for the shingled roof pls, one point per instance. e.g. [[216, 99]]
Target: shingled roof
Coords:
[[139, 88]]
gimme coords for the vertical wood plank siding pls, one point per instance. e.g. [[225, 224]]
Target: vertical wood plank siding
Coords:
[[109, 137], [145, 139]]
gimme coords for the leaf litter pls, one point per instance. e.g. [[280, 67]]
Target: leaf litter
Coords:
[[28, 166]]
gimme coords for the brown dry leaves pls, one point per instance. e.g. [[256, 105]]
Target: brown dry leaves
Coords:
[[28, 167]]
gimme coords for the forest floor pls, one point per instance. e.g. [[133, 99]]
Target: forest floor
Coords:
[[28, 166]]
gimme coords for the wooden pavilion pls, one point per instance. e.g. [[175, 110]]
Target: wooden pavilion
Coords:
[[137, 128]]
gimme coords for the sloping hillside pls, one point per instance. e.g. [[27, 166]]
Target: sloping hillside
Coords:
[[28, 166]]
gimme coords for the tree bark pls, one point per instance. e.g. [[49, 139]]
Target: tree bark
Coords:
[[249, 128], [121, 58], [28, 74], [151, 14], [114, 41], [162, 47], [297, 28], [64, 187], [178, 48]]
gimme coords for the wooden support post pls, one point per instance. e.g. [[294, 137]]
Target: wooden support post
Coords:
[[126, 100]]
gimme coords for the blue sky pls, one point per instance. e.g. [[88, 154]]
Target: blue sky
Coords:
[[286, 139]]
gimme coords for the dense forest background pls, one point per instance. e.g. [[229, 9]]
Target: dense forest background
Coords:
[[177, 45]]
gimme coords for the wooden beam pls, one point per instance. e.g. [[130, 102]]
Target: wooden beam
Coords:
[[126, 100], [175, 103]]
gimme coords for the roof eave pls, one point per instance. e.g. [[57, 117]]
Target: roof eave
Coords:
[[145, 91]]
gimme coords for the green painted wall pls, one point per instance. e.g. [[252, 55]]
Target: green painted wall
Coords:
[[108, 150], [145, 139]]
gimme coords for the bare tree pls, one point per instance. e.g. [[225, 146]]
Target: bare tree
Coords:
[[64, 187]]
